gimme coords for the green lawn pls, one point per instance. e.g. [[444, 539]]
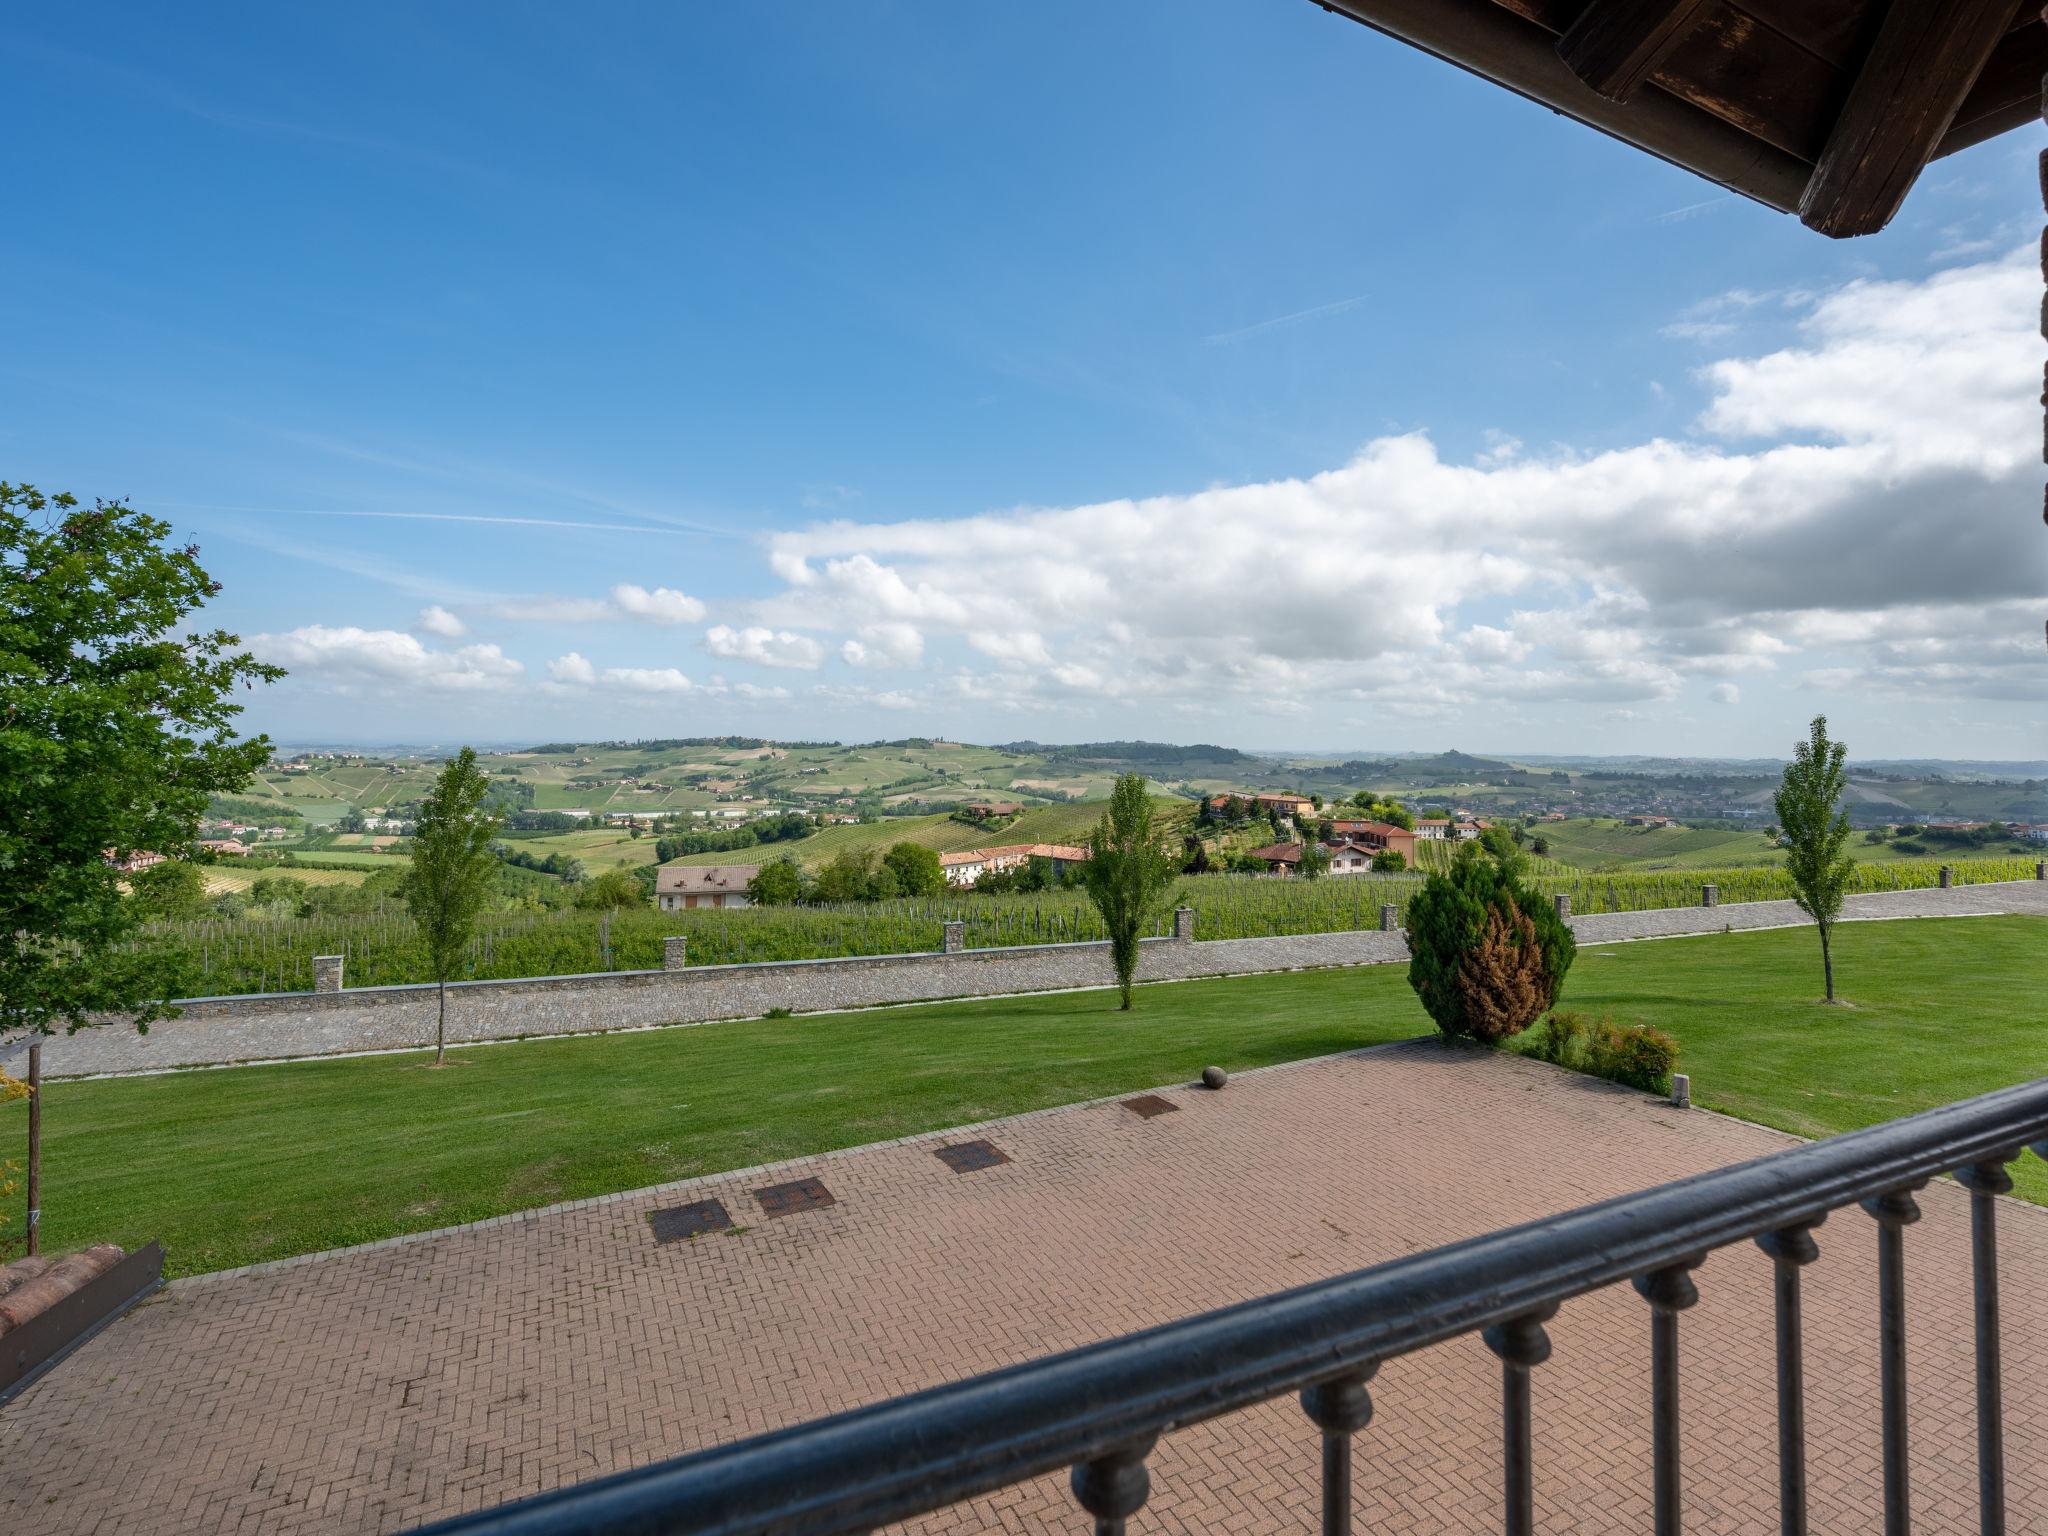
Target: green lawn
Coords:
[[234, 1166]]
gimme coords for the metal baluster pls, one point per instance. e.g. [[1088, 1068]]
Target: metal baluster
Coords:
[[1669, 1291], [1893, 1213], [1790, 1248], [1339, 1408], [1986, 1181], [1112, 1487], [1521, 1344]]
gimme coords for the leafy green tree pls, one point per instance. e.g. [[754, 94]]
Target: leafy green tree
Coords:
[[1392, 812], [1487, 953], [170, 890], [1808, 804], [917, 869], [611, 891], [1127, 874], [849, 877], [780, 884], [1388, 861], [116, 725], [1315, 860], [453, 873]]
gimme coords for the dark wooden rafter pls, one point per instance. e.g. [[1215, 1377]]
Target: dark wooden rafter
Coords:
[[1925, 58], [1615, 44]]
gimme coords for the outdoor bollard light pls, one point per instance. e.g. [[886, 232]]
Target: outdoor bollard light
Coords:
[[1681, 1090]]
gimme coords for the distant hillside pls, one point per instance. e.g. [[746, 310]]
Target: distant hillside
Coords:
[[1146, 756], [1046, 824]]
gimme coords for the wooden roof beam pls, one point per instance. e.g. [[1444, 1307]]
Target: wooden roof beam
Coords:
[[1615, 44], [1926, 56]]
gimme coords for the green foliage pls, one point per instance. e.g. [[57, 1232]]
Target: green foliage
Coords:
[[1808, 804], [173, 889], [780, 884], [1374, 808], [115, 729], [452, 872], [1127, 874], [916, 868], [1315, 860], [611, 891], [1636, 1055], [1389, 861], [1456, 914]]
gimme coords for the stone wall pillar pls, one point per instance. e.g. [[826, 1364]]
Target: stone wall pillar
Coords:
[[327, 973], [674, 952], [1563, 903], [1948, 877], [1184, 925], [2041, 870], [1710, 895], [956, 937], [1389, 919]]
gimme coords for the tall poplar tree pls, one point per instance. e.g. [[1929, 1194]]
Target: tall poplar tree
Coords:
[[452, 874], [1816, 831]]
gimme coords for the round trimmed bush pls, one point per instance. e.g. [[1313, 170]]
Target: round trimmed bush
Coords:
[[1488, 955]]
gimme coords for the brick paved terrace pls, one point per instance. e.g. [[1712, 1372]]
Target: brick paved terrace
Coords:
[[369, 1390]]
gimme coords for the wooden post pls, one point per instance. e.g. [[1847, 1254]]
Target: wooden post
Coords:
[[35, 1148]]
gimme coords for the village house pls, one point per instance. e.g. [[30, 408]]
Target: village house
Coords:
[[1279, 858], [986, 810], [970, 864], [138, 860], [233, 847], [683, 888], [1380, 836], [1286, 805], [1443, 829]]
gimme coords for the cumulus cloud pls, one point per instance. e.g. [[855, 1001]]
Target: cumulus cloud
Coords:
[[1877, 467], [436, 620], [763, 647], [625, 602], [350, 659], [573, 668], [1725, 693], [883, 645]]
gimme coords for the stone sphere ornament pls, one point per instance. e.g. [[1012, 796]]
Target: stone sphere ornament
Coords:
[[1214, 1077]]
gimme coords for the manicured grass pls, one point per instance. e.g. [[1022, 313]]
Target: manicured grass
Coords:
[[232, 1167], [235, 1166], [1944, 1009]]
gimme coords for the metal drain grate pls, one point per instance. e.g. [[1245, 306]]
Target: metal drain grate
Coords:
[[1146, 1105], [674, 1223], [967, 1156], [796, 1195]]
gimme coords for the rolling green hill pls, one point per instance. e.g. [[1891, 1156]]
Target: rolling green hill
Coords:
[[1045, 824]]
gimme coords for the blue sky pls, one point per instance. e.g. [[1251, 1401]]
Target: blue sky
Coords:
[[1212, 370]]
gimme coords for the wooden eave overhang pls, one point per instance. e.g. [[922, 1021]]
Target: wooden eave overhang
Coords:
[[1824, 108]]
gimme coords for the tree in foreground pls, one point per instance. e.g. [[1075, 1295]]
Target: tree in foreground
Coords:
[[453, 872], [116, 724], [1814, 830], [1487, 954], [1127, 874]]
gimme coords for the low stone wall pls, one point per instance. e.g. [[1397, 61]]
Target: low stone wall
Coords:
[[212, 1031], [215, 1031]]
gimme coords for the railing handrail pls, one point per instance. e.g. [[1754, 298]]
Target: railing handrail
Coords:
[[871, 1466]]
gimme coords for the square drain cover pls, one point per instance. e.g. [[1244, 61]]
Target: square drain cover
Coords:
[[676, 1222], [967, 1156], [797, 1195], [1146, 1105]]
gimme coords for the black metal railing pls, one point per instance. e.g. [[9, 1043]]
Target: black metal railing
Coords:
[[1100, 1410]]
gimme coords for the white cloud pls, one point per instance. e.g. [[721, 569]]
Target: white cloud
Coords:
[[351, 658], [1877, 466], [573, 669], [436, 620], [663, 605], [1725, 693], [764, 647], [624, 603], [884, 645]]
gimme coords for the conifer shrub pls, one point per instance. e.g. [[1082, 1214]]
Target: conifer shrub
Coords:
[[1487, 953]]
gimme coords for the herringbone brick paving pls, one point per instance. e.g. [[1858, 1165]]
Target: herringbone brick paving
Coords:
[[376, 1389]]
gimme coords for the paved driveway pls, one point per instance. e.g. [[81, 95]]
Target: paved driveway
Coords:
[[374, 1389]]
